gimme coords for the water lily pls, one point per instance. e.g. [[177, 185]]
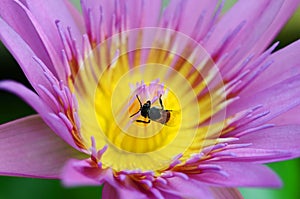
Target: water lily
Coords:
[[180, 102]]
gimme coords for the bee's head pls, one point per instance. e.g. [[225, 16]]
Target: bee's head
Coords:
[[147, 104]]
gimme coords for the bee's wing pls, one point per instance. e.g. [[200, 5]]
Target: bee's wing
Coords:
[[175, 118]]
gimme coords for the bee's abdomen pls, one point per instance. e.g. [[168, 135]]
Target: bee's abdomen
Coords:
[[165, 117]]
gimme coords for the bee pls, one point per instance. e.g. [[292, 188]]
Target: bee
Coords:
[[153, 113]]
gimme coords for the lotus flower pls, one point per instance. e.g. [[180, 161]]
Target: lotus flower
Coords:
[[187, 102]]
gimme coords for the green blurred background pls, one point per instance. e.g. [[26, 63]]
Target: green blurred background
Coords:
[[12, 107]]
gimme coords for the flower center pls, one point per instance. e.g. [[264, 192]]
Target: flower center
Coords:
[[142, 133], [144, 101]]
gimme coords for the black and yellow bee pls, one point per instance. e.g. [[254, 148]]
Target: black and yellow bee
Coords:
[[153, 113]]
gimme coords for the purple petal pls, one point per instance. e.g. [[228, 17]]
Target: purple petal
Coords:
[[285, 65], [148, 14], [120, 192], [34, 22], [76, 15], [56, 62], [193, 15], [151, 13], [241, 175], [284, 138], [47, 12], [117, 15], [257, 155], [248, 11], [288, 117], [38, 105], [285, 12], [226, 193], [79, 172], [27, 95], [18, 27], [97, 12], [123, 192], [109, 191], [169, 196], [263, 19], [28, 147], [186, 188], [24, 56], [275, 100]]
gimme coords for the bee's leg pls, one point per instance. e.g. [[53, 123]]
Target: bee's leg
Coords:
[[139, 100], [161, 104], [140, 106], [142, 121], [135, 113]]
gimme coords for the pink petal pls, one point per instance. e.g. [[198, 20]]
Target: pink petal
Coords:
[[257, 155], [192, 15], [16, 27], [284, 138], [226, 193], [248, 11], [263, 19], [47, 12], [134, 14], [276, 100], [38, 105], [30, 148], [287, 117], [285, 65], [123, 192], [148, 15], [38, 29], [285, 12], [241, 175], [110, 191], [151, 13], [186, 188], [34, 69], [54, 55], [169, 196], [79, 173], [76, 15], [198, 16], [24, 56], [27, 95], [96, 12]]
